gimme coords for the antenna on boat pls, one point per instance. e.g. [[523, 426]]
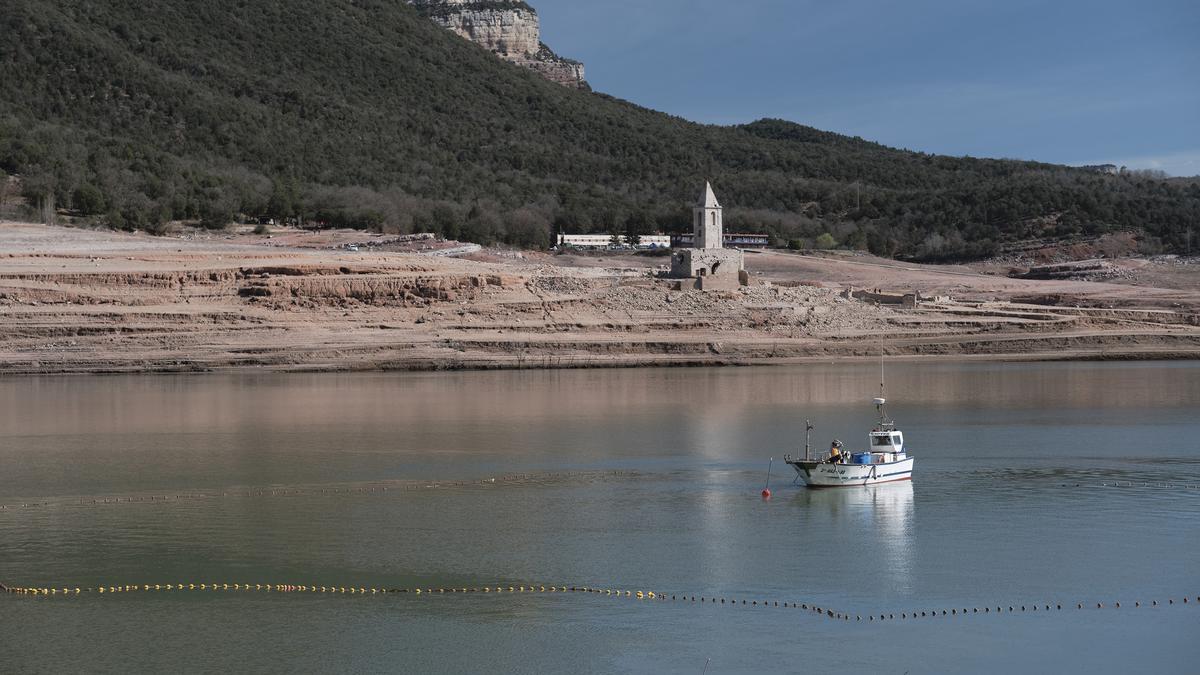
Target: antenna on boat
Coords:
[[807, 438], [881, 400], [881, 372]]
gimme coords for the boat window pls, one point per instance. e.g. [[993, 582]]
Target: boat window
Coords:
[[881, 440], [896, 439]]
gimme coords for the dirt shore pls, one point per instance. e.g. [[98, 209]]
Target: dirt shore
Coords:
[[87, 301]]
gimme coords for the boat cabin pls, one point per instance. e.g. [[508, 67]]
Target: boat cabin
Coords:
[[887, 440], [887, 445]]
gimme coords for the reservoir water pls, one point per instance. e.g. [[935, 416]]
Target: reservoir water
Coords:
[[1035, 484]]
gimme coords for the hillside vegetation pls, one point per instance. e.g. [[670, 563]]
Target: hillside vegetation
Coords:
[[364, 113]]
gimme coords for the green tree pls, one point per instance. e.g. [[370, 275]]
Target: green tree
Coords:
[[446, 222], [481, 226], [637, 225], [217, 213], [88, 200], [285, 199], [527, 228]]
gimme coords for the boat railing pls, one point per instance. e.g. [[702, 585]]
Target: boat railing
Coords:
[[823, 457], [813, 457]]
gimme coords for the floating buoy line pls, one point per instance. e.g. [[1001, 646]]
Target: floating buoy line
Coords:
[[1155, 485], [60, 591]]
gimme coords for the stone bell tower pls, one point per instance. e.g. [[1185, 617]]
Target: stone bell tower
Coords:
[[707, 228], [708, 265]]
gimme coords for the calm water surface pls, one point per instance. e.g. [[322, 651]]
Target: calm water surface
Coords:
[[639, 479]]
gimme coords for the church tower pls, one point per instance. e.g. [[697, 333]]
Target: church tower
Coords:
[[708, 265], [707, 229]]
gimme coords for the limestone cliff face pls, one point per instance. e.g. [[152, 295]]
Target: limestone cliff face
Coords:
[[508, 28]]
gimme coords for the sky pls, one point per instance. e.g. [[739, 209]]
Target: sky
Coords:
[[1062, 81]]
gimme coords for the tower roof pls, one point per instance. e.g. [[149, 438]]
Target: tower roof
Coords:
[[709, 200]]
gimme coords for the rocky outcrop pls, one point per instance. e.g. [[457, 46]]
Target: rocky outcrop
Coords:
[[553, 67], [508, 28]]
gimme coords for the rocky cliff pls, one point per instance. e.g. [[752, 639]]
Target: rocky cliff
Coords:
[[510, 29]]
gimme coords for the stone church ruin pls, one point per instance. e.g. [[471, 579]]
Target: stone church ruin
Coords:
[[708, 265]]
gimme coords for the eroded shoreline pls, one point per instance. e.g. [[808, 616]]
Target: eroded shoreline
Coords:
[[85, 301]]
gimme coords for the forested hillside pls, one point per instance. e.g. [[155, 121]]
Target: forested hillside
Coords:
[[364, 113]]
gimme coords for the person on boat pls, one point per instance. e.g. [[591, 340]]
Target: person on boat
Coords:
[[835, 452]]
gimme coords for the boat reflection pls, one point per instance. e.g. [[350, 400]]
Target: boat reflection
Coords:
[[880, 517]]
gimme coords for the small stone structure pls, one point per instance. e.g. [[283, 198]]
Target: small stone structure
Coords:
[[709, 265], [905, 300]]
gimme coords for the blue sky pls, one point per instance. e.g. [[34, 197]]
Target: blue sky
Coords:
[[1067, 81]]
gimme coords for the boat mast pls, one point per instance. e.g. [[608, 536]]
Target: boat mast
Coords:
[[881, 400], [807, 437]]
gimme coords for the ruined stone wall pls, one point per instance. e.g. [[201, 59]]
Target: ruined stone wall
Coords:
[[907, 300], [707, 262]]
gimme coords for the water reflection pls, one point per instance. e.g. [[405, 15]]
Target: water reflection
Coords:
[[174, 404], [879, 517]]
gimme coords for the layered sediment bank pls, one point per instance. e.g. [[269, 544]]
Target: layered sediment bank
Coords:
[[85, 301]]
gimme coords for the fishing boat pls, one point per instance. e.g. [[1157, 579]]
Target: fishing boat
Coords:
[[884, 461]]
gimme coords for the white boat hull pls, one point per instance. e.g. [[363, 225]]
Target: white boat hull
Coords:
[[823, 474]]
